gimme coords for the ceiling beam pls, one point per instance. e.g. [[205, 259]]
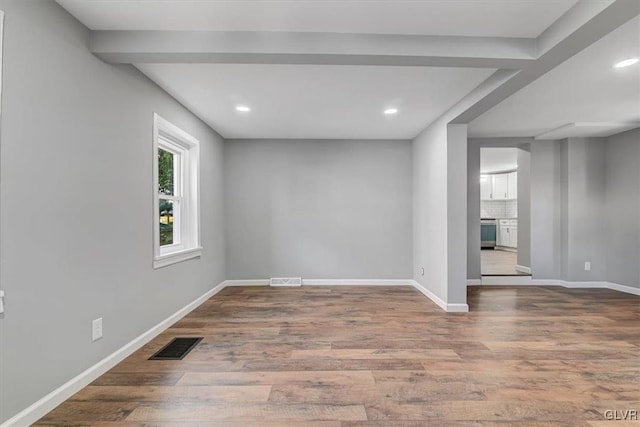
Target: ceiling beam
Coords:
[[248, 47], [575, 39]]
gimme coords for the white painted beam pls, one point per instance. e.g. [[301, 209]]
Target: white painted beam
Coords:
[[574, 39], [136, 47]]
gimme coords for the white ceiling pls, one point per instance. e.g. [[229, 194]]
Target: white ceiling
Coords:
[[584, 89], [498, 18], [309, 101], [498, 159]]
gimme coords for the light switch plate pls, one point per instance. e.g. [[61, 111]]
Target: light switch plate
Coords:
[[587, 266]]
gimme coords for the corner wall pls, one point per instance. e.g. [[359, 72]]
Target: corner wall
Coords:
[[76, 205]]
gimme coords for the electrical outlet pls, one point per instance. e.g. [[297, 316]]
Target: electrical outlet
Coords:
[[587, 266], [96, 329], [422, 271]]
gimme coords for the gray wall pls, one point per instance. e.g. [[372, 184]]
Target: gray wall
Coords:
[[76, 205], [585, 207], [546, 212], [440, 210], [474, 264], [318, 209], [524, 205], [430, 209], [622, 208], [457, 213], [584, 202]]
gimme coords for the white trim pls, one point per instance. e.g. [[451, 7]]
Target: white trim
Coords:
[[357, 282], [43, 406], [598, 285], [474, 282], [174, 257], [449, 308], [528, 281], [186, 193], [523, 269], [251, 282], [623, 288], [457, 308]]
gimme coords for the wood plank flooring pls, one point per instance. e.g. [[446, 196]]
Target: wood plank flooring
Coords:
[[381, 356], [499, 263]]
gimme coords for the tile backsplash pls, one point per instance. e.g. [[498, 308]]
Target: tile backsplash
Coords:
[[499, 209]]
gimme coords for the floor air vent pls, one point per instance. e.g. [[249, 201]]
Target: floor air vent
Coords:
[[176, 349], [285, 281]]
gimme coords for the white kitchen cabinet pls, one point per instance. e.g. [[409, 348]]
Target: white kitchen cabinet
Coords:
[[513, 236], [486, 187], [500, 186], [512, 185], [507, 233]]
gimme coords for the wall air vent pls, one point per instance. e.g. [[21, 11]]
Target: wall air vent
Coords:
[[285, 281]]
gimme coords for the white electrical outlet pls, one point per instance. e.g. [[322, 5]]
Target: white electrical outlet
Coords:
[[96, 329], [587, 266]]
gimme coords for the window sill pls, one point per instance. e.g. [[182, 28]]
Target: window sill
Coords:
[[175, 257]]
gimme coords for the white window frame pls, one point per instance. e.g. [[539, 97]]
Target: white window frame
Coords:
[[186, 151]]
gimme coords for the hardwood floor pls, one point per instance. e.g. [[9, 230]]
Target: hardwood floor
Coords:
[[381, 356], [499, 263]]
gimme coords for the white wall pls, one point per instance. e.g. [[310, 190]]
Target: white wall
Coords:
[[320, 209], [76, 205], [622, 208]]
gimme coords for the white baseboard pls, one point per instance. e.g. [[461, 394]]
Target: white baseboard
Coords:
[[623, 288], [449, 308], [43, 406], [357, 282], [528, 281], [523, 269], [589, 285], [474, 282], [250, 282]]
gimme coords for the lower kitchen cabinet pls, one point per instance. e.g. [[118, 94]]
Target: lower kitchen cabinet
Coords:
[[507, 233]]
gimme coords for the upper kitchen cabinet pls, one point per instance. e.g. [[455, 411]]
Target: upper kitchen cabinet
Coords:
[[502, 186], [486, 187], [512, 185]]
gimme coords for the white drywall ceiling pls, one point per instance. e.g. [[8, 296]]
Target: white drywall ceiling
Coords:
[[585, 88], [498, 159], [308, 101], [498, 18]]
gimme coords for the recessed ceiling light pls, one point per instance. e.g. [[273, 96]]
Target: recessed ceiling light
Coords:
[[626, 63], [390, 111], [243, 108]]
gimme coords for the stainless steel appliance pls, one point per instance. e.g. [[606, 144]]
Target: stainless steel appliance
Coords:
[[488, 227]]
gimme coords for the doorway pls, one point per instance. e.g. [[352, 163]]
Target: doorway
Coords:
[[499, 212]]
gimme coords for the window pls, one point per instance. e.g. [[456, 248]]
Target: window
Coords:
[[176, 210]]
